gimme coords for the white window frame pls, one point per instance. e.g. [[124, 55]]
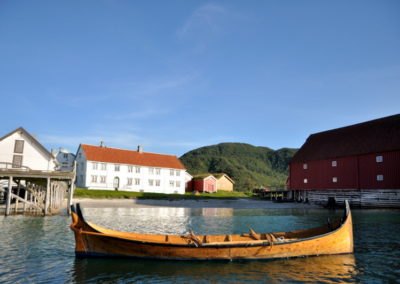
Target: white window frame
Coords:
[[103, 179], [103, 166], [178, 183], [305, 166], [158, 171], [137, 181], [171, 183], [178, 173], [171, 172], [379, 177], [305, 180], [95, 165], [158, 182], [94, 179], [116, 168], [129, 181], [334, 163], [334, 179], [151, 171], [379, 159], [151, 182], [137, 170]]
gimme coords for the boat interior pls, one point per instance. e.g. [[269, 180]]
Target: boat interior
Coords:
[[252, 237]]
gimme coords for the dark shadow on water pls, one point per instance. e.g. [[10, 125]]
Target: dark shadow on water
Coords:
[[327, 269]]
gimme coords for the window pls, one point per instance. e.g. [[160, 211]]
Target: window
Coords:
[[305, 166], [158, 182], [305, 180], [130, 169], [103, 166], [177, 183], [19, 146], [334, 163], [151, 171], [94, 166], [334, 179], [65, 156], [171, 183], [116, 168], [94, 178], [129, 181], [379, 159], [151, 182], [137, 170], [158, 171], [379, 177], [17, 161], [137, 181], [171, 172], [103, 179], [80, 155], [178, 173]]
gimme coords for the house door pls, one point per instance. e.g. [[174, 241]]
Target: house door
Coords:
[[116, 183]]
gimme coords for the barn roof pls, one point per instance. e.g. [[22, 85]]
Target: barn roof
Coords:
[[220, 175], [203, 176], [375, 136], [130, 157]]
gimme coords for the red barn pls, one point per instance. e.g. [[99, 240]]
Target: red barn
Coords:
[[360, 162], [203, 183]]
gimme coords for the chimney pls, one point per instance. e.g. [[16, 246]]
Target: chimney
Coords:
[[54, 152], [140, 149], [102, 145]]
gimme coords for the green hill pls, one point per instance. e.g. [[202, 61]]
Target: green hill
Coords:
[[248, 165]]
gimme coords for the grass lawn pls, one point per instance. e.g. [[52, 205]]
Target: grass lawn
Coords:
[[221, 194]]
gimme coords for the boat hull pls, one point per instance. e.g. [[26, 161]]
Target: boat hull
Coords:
[[100, 244]]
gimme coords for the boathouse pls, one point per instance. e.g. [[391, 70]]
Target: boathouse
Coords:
[[30, 179], [203, 183], [359, 162], [224, 182], [105, 168]]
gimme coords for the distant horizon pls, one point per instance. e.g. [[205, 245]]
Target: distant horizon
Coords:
[[178, 75]]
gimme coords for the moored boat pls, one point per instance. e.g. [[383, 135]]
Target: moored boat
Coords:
[[94, 241]]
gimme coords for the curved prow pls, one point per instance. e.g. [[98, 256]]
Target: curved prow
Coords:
[[79, 212]]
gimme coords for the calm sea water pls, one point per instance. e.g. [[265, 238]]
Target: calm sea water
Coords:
[[41, 250]]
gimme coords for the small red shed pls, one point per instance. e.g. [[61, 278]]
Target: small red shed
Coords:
[[203, 183]]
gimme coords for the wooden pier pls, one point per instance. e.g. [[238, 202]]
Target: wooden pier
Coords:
[[32, 191]]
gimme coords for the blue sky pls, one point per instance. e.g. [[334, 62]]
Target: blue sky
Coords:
[[177, 75]]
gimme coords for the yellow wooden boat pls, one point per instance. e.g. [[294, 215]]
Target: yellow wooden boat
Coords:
[[94, 241]]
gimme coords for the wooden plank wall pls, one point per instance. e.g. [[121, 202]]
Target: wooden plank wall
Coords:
[[365, 198]]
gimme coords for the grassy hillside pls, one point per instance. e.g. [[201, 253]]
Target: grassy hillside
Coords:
[[248, 165]]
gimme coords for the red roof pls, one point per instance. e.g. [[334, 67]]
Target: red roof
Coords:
[[130, 157], [375, 136]]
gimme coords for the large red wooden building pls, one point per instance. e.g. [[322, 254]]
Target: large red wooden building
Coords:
[[360, 162]]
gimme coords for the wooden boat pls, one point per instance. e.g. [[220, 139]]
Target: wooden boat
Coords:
[[94, 241]]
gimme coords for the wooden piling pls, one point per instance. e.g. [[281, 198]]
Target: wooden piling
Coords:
[[9, 191]]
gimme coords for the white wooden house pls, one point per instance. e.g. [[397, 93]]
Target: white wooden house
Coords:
[[65, 160], [20, 150], [104, 168]]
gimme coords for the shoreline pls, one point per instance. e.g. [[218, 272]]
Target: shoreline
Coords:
[[190, 203]]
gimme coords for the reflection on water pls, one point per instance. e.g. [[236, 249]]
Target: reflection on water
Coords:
[[327, 269], [36, 249]]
